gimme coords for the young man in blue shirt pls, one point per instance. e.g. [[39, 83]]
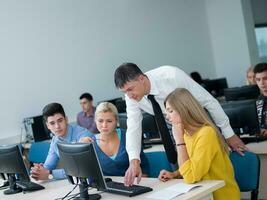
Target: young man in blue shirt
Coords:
[[56, 121]]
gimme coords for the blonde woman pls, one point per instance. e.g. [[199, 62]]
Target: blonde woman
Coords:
[[111, 142], [202, 151], [251, 76]]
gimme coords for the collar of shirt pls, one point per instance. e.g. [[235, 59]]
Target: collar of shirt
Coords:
[[153, 86], [68, 136], [91, 115]]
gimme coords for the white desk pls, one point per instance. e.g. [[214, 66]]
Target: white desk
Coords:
[[56, 189]]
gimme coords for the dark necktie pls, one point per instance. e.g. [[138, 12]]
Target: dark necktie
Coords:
[[163, 130]]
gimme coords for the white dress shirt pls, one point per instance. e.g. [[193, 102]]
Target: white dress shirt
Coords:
[[163, 81]]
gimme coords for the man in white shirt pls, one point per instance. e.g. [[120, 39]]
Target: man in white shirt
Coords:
[[160, 82]]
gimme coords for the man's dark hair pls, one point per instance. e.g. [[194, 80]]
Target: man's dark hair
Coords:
[[86, 95], [261, 67], [126, 72], [52, 109]]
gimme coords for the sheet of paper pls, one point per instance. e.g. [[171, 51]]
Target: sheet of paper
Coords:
[[172, 191]]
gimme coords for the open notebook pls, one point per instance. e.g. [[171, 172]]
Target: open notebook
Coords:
[[172, 191]]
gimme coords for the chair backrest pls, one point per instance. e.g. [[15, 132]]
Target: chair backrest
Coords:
[[157, 161], [247, 171], [38, 152]]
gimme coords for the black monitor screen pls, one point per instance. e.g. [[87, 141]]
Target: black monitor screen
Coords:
[[12, 165], [216, 86], [243, 116], [241, 93], [80, 160]]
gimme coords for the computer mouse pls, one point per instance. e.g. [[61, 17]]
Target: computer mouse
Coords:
[[108, 179]]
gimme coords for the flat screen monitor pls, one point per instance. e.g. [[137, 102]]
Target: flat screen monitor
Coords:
[[11, 164], [36, 127], [216, 86], [149, 126], [243, 116], [241, 93], [80, 160]]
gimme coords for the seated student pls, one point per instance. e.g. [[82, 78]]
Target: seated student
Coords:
[[111, 142], [202, 152], [57, 123], [86, 118], [260, 71], [251, 76]]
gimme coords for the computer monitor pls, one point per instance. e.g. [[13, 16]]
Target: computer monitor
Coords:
[[36, 128], [149, 126], [80, 160], [11, 164], [241, 93], [216, 86], [243, 116]]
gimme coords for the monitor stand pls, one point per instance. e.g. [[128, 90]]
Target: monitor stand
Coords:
[[83, 186], [13, 189]]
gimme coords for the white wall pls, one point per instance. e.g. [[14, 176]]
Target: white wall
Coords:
[[55, 50], [230, 45]]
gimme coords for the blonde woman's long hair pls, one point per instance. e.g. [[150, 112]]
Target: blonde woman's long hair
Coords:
[[191, 112]]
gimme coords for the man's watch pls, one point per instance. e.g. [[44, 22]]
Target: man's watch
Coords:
[[50, 176]]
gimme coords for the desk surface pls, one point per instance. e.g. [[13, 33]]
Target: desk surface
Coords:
[[57, 189]]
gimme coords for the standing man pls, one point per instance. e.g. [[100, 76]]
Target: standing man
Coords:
[[56, 121], [260, 72], [86, 118], [159, 82]]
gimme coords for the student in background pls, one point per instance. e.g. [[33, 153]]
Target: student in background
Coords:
[[111, 142], [251, 76], [86, 118], [202, 151], [56, 121], [260, 71]]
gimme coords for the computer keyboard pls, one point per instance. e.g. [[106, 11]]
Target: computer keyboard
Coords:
[[29, 186], [250, 139], [120, 188]]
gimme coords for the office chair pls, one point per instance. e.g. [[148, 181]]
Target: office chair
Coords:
[[38, 152], [156, 162], [247, 172]]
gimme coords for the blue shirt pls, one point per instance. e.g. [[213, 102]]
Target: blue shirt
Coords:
[[119, 163], [74, 134]]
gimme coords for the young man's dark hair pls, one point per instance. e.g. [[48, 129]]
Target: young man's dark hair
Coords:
[[52, 109], [126, 72], [261, 67], [88, 96]]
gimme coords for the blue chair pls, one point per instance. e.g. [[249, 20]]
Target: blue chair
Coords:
[[247, 172], [157, 161], [38, 152]]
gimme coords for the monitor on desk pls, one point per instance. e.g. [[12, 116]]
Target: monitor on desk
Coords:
[[150, 133], [80, 160], [36, 128], [241, 93], [12, 165], [243, 116], [216, 86]]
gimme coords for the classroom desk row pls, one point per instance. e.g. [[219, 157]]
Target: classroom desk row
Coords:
[[59, 188]]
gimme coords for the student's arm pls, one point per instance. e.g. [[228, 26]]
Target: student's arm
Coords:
[[206, 146]]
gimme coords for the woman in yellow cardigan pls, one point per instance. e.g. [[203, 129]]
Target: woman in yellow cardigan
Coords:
[[202, 151]]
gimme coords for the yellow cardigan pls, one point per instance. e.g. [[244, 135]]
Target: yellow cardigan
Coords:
[[208, 161]]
